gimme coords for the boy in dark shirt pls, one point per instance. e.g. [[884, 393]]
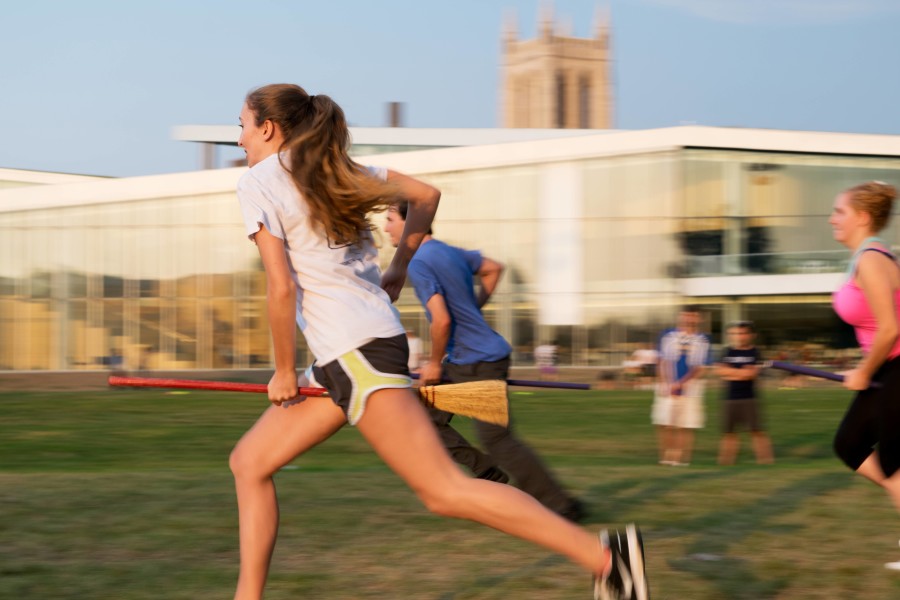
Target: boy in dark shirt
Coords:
[[739, 367]]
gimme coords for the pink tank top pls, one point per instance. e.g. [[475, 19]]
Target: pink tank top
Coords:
[[850, 304]]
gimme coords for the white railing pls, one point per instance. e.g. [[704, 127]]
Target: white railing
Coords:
[[772, 263]]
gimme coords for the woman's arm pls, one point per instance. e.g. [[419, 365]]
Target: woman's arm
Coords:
[[281, 300], [423, 202], [876, 276]]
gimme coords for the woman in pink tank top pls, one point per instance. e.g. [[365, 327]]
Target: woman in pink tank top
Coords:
[[868, 438]]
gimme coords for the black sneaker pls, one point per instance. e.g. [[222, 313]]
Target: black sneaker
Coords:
[[494, 474], [626, 579]]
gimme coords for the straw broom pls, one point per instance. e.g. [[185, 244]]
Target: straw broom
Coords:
[[482, 400]]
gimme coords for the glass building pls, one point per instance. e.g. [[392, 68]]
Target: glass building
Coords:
[[604, 235]]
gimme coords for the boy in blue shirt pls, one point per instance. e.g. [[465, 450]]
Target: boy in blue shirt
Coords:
[[443, 277]]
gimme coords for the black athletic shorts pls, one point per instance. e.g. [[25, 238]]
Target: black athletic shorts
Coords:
[[743, 412], [352, 377]]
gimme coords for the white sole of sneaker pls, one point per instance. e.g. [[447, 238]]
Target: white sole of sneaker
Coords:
[[637, 563]]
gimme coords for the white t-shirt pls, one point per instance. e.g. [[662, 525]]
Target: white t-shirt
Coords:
[[340, 303]]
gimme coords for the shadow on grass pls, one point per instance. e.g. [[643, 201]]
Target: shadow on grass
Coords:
[[631, 493], [718, 532], [523, 571], [616, 500]]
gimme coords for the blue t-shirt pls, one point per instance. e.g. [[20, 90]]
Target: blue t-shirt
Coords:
[[438, 268]]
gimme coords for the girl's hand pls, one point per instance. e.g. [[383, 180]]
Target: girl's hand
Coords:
[[283, 387], [856, 380]]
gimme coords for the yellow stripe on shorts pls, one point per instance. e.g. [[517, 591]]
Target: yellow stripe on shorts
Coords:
[[365, 379]]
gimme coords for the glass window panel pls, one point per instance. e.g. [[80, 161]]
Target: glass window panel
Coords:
[[257, 327], [40, 285], [628, 249], [37, 339], [187, 287], [524, 323], [112, 313], [186, 326], [639, 186], [76, 284], [149, 335], [223, 332], [113, 286], [8, 344], [77, 335], [222, 285], [800, 331]]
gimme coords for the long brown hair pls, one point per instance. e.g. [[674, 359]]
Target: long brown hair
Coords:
[[340, 193]]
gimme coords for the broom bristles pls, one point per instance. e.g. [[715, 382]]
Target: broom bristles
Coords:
[[482, 400]]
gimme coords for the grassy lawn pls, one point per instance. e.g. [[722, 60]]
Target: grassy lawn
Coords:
[[127, 494]]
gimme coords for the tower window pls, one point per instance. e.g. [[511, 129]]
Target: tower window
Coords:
[[584, 102], [560, 101]]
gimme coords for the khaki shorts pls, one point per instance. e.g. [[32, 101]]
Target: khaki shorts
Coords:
[[685, 411]]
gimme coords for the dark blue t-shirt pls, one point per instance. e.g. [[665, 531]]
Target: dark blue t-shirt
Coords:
[[438, 268], [737, 359]]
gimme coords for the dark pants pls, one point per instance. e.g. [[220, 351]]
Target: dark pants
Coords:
[[506, 450], [873, 419]]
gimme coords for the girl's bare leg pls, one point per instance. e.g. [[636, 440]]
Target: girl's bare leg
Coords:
[[871, 470], [280, 435], [397, 427]]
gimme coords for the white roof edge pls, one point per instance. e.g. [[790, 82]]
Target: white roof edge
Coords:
[[399, 136], [585, 145], [124, 189], [214, 134], [26, 176], [639, 142], [783, 140], [458, 136], [545, 145], [761, 285]]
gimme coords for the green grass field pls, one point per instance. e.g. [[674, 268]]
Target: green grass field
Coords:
[[127, 494]]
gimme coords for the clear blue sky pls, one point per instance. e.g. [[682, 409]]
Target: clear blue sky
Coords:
[[95, 86]]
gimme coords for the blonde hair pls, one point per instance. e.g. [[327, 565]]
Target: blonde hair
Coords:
[[875, 198], [341, 194]]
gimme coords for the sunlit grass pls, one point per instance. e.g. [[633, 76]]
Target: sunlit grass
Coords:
[[127, 494]]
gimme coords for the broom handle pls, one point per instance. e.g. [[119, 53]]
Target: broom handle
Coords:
[[803, 370], [539, 384], [194, 384], [441, 397]]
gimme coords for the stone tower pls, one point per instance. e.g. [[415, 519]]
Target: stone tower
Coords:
[[557, 81]]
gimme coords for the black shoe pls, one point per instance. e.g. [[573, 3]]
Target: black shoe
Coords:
[[494, 474], [575, 511], [626, 579]]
